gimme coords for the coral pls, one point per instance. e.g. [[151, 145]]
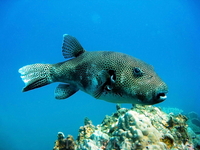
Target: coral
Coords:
[[86, 131], [63, 143], [194, 122], [192, 115], [135, 131], [138, 128]]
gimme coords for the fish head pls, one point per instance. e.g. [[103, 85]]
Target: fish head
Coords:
[[141, 84]]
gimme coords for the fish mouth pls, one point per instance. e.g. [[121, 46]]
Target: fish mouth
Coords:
[[157, 97], [161, 96]]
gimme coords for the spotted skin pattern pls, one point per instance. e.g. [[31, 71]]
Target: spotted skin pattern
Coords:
[[107, 75]]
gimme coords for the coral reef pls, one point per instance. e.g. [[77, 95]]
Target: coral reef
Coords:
[[138, 128], [194, 122], [173, 110]]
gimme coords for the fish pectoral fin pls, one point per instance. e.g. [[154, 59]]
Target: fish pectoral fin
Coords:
[[102, 80], [64, 91], [71, 47], [106, 81], [98, 93]]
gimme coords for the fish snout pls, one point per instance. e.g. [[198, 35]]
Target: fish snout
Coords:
[[160, 94]]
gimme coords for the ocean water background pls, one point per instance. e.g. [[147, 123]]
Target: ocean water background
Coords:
[[165, 34]]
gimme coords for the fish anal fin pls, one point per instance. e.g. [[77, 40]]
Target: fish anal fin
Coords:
[[71, 47], [64, 91]]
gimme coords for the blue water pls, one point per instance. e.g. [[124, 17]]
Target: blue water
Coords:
[[165, 34]]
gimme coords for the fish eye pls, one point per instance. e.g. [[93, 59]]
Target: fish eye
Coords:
[[138, 72]]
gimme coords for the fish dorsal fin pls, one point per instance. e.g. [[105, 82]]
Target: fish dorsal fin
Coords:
[[71, 47]]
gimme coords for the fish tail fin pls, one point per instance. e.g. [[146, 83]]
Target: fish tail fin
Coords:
[[36, 75]]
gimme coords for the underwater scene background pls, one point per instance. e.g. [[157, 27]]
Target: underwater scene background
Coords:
[[165, 34]]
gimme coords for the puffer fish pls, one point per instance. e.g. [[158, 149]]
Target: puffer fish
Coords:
[[111, 76]]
